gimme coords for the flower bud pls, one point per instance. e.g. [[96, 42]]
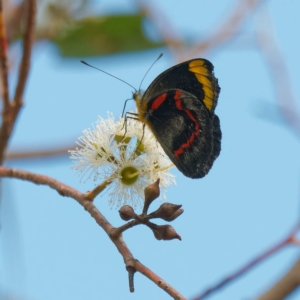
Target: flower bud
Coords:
[[126, 213], [165, 232], [151, 193], [167, 211]]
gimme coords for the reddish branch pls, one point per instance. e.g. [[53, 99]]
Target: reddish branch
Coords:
[[67, 191], [290, 239], [11, 109]]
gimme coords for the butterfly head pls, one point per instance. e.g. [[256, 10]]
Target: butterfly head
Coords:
[[137, 97]]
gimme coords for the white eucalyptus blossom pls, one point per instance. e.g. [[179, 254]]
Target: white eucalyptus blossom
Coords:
[[129, 162]]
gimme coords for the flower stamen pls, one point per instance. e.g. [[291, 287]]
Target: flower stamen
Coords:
[[164, 168]]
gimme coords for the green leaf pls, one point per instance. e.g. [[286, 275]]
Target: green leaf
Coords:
[[103, 35]]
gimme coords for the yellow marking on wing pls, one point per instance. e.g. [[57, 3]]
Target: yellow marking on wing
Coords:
[[209, 93], [196, 63], [204, 80], [208, 102], [199, 70], [203, 74]]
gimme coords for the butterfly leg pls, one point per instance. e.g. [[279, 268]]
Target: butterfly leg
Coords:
[[128, 115]]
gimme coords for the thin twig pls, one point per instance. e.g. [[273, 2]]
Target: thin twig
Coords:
[[29, 154], [118, 231], [28, 39], [279, 74], [91, 195], [4, 81], [118, 241], [12, 111], [286, 241], [131, 272], [228, 29]]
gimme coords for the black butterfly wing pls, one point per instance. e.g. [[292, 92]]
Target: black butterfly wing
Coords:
[[187, 132], [195, 76]]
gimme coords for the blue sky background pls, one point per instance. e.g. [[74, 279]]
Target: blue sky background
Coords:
[[52, 249]]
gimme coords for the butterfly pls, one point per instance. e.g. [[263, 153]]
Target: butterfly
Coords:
[[179, 108]]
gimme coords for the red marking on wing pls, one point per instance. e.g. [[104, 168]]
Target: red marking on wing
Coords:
[[158, 101], [178, 101], [189, 142]]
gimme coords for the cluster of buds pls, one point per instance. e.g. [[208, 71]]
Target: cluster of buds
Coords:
[[167, 211]]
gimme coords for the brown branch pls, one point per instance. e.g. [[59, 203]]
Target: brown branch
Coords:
[[3, 58], [126, 226], [157, 280], [11, 113], [4, 78], [285, 286], [28, 39], [39, 153], [118, 241], [286, 241]]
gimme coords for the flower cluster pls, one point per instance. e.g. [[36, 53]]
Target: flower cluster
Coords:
[[126, 154]]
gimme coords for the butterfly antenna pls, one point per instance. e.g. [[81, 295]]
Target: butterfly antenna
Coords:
[[160, 55], [85, 63]]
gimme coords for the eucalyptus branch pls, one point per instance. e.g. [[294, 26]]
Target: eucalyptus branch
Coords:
[[67, 191]]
